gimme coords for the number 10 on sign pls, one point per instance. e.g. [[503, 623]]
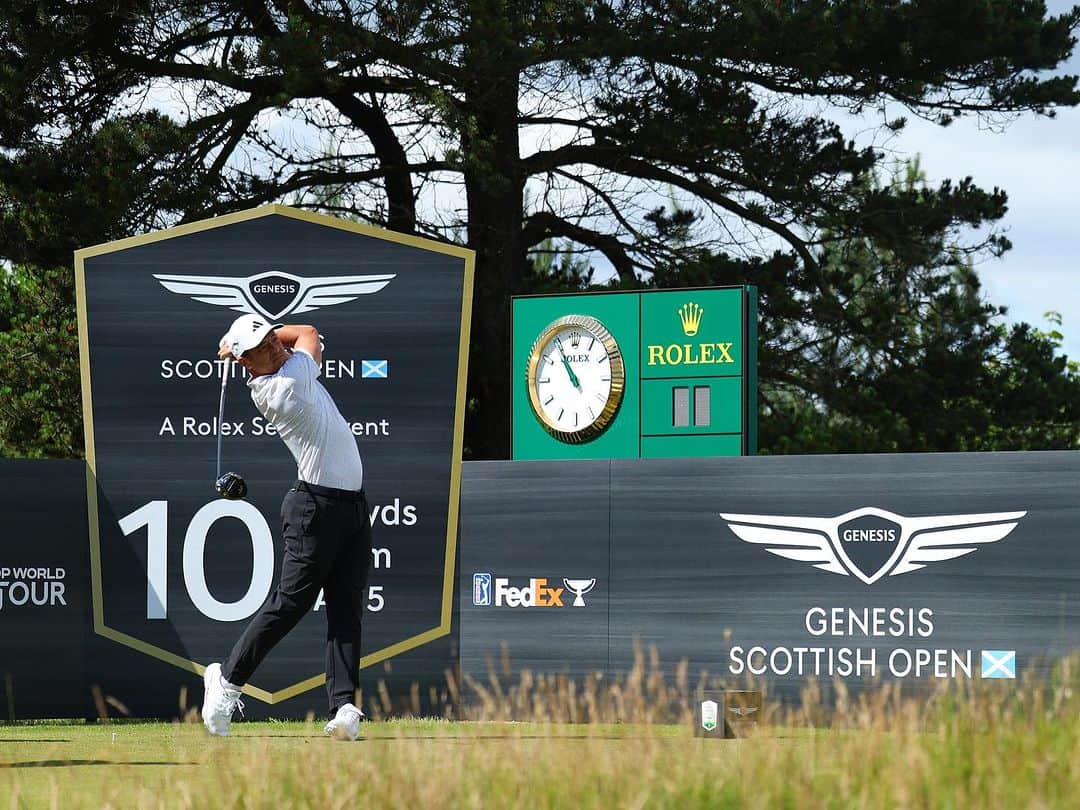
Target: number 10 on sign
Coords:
[[155, 517]]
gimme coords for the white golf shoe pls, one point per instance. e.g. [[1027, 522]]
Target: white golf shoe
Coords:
[[346, 723], [219, 703]]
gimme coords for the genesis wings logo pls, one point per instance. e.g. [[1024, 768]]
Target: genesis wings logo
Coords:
[[743, 711], [274, 294], [870, 543]]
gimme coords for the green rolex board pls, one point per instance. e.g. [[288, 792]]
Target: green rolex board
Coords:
[[666, 373]]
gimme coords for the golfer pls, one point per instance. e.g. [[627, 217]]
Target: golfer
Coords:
[[324, 520]]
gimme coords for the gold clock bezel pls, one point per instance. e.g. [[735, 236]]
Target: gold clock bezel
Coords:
[[618, 378]]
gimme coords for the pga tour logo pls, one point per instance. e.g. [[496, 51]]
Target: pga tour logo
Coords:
[[274, 294], [489, 591], [481, 589], [871, 543]]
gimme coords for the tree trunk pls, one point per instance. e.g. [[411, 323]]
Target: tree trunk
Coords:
[[494, 186]]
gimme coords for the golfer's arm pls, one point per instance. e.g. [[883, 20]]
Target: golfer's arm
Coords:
[[293, 336]]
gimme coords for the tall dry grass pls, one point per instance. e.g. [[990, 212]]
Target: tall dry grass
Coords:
[[552, 742], [645, 696], [548, 742]]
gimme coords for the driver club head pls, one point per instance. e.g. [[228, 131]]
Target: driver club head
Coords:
[[231, 486]]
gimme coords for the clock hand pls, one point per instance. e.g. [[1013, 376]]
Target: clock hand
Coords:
[[574, 381], [573, 377]]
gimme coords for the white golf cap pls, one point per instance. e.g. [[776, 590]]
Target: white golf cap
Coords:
[[247, 332]]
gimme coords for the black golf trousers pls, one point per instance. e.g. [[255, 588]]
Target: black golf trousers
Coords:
[[328, 546]]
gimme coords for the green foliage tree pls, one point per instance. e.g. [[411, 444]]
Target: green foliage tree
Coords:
[[118, 116], [898, 352], [40, 400]]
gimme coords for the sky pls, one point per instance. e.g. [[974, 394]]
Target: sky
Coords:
[[1037, 162]]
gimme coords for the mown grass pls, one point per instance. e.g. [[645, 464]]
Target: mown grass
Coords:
[[979, 744]]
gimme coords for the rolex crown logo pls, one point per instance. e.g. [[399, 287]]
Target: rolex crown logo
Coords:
[[690, 315]]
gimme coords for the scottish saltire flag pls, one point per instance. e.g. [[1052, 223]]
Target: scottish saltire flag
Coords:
[[375, 369], [999, 663]]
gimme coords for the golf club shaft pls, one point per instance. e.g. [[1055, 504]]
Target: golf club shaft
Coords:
[[221, 414]]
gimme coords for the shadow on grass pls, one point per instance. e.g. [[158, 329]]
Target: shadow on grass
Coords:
[[28, 740], [449, 737], [65, 763], [551, 737]]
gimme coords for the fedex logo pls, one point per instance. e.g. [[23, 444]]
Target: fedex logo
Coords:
[[536, 594]]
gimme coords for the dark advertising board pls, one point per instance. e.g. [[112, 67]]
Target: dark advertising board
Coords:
[[741, 566], [918, 568], [44, 589], [176, 572]]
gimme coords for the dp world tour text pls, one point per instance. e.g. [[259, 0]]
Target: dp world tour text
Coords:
[[38, 587]]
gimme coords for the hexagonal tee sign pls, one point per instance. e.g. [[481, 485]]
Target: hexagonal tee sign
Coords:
[[176, 571]]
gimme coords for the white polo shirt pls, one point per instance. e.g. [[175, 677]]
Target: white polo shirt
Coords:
[[309, 423]]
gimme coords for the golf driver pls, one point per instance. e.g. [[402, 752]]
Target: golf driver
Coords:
[[230, 485]]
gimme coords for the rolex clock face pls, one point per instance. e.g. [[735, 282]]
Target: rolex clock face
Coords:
[[576, 378]]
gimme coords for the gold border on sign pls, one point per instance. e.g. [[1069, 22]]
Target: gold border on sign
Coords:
[[618, 378], [453, 511]]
